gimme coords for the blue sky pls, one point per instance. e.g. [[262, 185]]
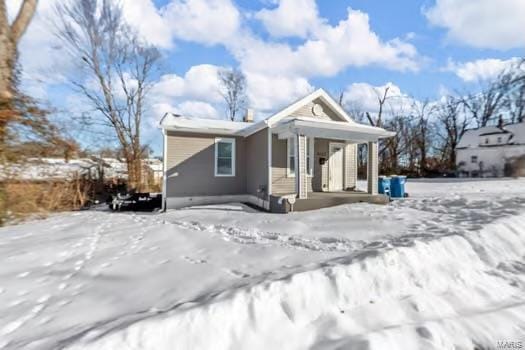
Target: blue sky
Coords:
[[287, 48]]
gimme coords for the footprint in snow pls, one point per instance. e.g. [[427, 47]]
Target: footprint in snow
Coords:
[[194, 261], [64, 302], [23, 274], [237, 273]]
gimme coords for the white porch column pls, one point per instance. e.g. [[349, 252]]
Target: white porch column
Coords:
[[301, 180], [372, 167], [350, 167]]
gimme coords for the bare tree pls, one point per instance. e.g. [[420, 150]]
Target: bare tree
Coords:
[[118, 70], [10, 35], [484, 106], [514, 80], [452, 125], [10, 100], [381, 100], [422, 112], [233, 90]]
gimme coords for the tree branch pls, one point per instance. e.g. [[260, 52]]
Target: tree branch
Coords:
[[22, 20]]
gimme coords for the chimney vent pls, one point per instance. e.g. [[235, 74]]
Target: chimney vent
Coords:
[[248, 117]]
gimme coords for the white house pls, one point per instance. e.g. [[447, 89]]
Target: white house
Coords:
[[491, 151]]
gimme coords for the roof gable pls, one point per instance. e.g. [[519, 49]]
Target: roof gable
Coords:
[[334, 109]]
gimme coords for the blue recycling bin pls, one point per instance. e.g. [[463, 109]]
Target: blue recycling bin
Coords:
[[383, 184], [397, 186]]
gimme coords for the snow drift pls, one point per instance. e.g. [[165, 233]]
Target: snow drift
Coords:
[[459, 290]]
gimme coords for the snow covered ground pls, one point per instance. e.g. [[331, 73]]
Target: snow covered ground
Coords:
[[443, 269]]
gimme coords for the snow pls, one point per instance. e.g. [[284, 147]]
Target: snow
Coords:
[[172, 121], [58, 168], [442, 269]]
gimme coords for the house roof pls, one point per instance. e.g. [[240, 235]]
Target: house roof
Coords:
[[332, 129], [225, 127], [210, 126], [515, 132]]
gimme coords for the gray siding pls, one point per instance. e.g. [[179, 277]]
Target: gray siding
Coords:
[[190, 166], [280, 182], [319, 182], [306, 111], [256, 162]]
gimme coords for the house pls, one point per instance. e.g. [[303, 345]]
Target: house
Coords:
[[491, 151], [303, 157]]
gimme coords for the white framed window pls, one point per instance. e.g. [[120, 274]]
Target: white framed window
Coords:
[[474, 159], [290, 156], [310, 156], [224, 157], [290, 163]]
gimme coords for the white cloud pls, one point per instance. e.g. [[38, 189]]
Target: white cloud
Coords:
[[364, 97], [149, 22], [199, 82], [203, 21], [268, 93], [197, 109], [480, 70], [278, 73], [290, 18], [331, 49], [494, 24], [194, 94]]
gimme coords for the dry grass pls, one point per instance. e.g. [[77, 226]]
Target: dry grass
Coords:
[[38, 199]]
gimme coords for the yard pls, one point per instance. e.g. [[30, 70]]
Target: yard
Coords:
[[442, 269]]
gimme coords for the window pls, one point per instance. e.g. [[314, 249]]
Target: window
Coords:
[[499, 139], [292, 143], [310, 156], [224, 157], [486, 140], [291, 157], [474, 159]]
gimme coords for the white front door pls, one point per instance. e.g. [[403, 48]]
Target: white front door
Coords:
[[335, 167]]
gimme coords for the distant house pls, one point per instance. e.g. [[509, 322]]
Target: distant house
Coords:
[[491, 151], [289, 161]]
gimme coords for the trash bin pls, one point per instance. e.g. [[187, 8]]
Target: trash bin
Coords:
[[383, 184], [397, 186]]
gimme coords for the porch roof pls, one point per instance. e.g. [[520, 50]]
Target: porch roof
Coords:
[[329, 129]]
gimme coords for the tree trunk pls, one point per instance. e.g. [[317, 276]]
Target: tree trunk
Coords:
[[7, 61], [9, 37]]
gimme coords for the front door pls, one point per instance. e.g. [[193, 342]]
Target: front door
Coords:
[[335, 167]]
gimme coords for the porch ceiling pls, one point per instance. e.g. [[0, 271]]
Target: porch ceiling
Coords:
[[330, 130]]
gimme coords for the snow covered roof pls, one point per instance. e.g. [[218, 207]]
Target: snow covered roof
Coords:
[[515, 133], [172, 121], [211, 126], [518, 133]]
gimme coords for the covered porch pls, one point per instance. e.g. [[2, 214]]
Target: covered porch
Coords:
[[321, 164]]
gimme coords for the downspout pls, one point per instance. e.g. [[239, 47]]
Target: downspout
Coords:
[[165, 169], [269, 186]]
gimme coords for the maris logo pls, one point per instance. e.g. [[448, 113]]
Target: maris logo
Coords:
[[509, 345]]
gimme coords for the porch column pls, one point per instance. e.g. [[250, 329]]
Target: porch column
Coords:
[[372, 167], [301, 180]]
